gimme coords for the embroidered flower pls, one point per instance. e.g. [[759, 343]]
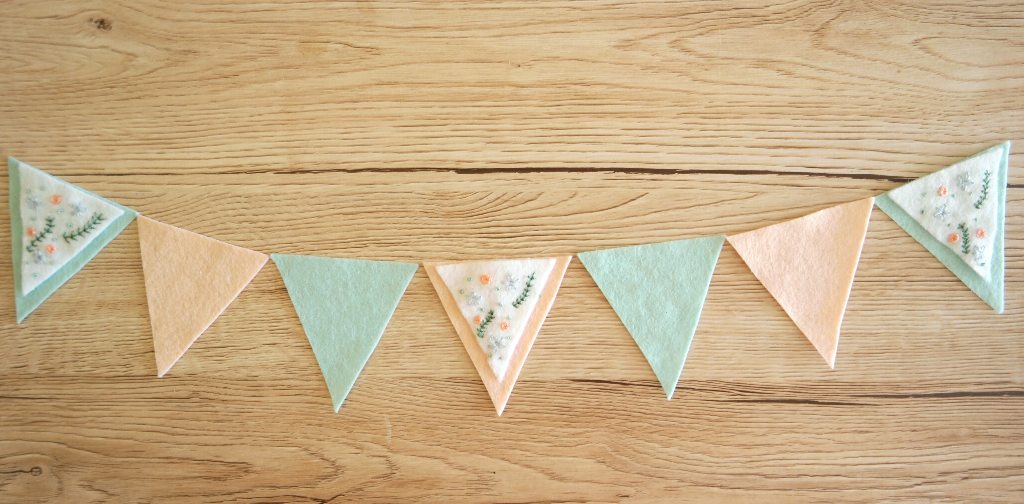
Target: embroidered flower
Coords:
[[33, 203], [78, 209], [31, 231], [979, 254], [964, 181], [953, 238], [505, 326], [477, 319], [485, 279], [980, 233], [474, 299], [51, 248], [943, 191], [55, 199], [496, 344], [38, 257], [941, 212], [511, 282]]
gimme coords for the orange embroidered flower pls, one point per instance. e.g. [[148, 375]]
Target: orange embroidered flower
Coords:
[[51, 248], [505, 326], [485, 279], [31, 231], [953, 238], [477, 319], [55, 199], [943, 191], [980, 233]]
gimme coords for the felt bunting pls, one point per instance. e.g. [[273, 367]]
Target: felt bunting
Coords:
[[808, 265], [56, 229], [497, 308], [344, 306], [658, 292], [190, 280], [958, 214]]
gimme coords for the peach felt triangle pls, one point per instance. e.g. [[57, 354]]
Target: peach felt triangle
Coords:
[[808, 264], [190, 280], [497, 308]]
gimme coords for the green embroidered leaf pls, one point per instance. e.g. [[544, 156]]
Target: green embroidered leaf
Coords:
[[85, 229], [483, 325], [526, 291], [984, 190], [42, 235], [966, 245]]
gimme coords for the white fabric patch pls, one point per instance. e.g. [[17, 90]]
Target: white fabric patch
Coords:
[[495, 299], [959, 206], [58, 220]]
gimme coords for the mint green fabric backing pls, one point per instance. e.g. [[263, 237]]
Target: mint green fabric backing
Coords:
[[344, 306], [658, 292], [27, 303], [989, 291]]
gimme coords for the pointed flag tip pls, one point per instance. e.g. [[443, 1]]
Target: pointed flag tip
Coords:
[[669, 386]]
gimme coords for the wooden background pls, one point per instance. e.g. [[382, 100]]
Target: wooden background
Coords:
[[419, 131]]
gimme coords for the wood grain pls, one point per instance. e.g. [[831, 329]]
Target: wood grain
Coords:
[[437, 131]]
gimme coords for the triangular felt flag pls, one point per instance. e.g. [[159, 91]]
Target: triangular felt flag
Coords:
[[957, 213], [190, 281], [497, 308], [658, 291], [56, 228], [808, 265], [344, 306]]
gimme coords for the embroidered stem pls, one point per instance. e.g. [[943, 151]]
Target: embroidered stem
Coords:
[[984, 190], [483, 325], [42, 234], [525, 293], [966, 245], [84, 230]]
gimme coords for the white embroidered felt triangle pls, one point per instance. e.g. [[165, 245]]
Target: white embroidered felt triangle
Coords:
[[495, 299], [58, 221], [958, 206], [497, 308]]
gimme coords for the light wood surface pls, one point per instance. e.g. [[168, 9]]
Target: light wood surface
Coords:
[[430, 131]]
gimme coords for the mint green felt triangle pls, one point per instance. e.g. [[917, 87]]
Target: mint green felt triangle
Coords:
[[990, 291], [658, 291], [344, 306], [26, 302]]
